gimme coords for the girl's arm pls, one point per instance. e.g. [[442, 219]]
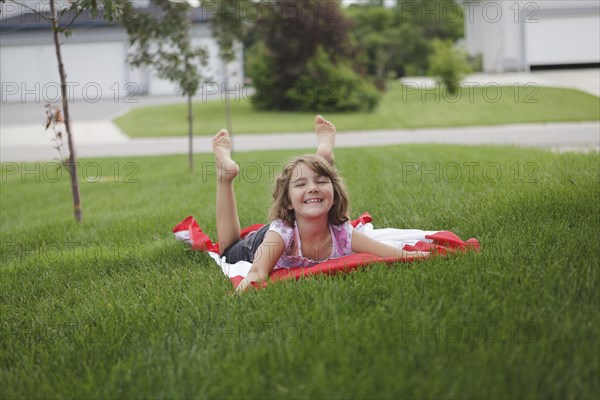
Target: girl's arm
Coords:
[[361, 243], [265, 259]]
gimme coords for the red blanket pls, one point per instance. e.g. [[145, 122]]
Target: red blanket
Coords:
[[439, 243]]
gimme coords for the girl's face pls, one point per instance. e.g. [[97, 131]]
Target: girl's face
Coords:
[[311, 195]]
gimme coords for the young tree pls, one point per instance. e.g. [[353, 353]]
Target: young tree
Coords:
[[448, 64], [59, 23], [160, 38], [227, 32]]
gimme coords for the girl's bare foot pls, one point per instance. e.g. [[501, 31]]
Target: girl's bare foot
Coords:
[[227, 169], [325, 138]]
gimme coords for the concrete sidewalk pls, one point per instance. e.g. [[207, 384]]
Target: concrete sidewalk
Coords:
[[584, 136]]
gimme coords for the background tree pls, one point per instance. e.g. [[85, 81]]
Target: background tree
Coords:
[[448, 64], [289, 34], [160, 37], [373, 34], [398, 41], [59, 22]]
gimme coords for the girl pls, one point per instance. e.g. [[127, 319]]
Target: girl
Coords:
[[309, 214]]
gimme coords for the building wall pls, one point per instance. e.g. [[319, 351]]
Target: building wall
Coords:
[[514, 35], [10, 9], [95, 60]]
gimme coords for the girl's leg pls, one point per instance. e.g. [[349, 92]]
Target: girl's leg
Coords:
[[325, 138], [228, 223]]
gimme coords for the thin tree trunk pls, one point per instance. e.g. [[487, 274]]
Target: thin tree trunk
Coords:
[[228, 114], [227, 102], [65, 104], [191, 133]]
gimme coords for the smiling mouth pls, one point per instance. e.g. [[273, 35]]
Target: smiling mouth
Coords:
[[310, 201]]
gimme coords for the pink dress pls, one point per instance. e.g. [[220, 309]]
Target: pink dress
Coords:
[[341, 236]]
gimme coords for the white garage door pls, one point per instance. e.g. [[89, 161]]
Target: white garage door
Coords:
[[563, 39], [95, 71]]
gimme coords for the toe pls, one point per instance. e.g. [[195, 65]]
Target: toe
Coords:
[[223, 134]]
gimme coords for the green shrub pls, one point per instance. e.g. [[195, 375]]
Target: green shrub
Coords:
[[323, 86], [259, 67], [399, 38], [448, 63]]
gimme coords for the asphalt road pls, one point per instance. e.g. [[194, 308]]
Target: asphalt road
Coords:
[[22, 137]]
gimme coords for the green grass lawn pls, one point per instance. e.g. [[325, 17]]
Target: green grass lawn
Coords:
[[400, 108], [116, 308]]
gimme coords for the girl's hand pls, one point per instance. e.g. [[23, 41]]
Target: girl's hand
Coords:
[[252, 276], [246, 282], [265, 258], [242, 286], [415, 254]]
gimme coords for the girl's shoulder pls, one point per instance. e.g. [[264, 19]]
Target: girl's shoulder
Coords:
[[283, 229], [343, 227], [342, 238]]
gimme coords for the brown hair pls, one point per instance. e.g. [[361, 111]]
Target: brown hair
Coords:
[[281, 196]]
